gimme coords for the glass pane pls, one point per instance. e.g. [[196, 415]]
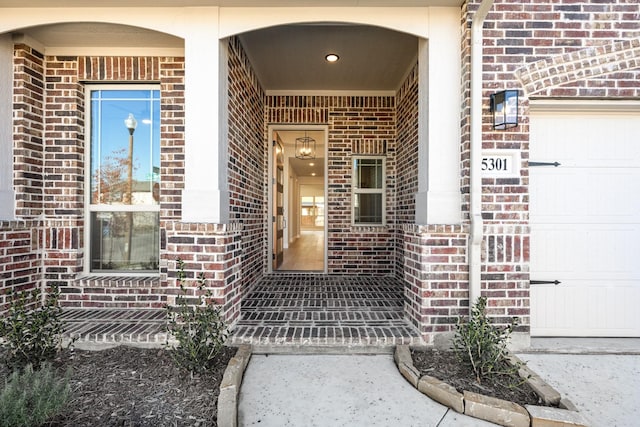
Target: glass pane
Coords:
[[125, 168], [124, 241], [368, 173], [368, 209]]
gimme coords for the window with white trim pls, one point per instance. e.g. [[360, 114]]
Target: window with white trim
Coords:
[[123, 179], [369, 189]]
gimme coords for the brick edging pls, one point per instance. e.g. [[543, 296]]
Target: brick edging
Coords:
[[230, 387], [491, 409]]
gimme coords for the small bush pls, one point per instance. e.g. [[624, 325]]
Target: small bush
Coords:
[[32, 331], [483, 346], [32, 397], [197, 326]]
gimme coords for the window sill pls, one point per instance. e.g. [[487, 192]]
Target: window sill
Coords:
[[116, 281], [370, 228]]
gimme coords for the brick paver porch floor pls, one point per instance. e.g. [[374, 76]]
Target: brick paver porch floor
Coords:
[[326, 311], [281, 312]]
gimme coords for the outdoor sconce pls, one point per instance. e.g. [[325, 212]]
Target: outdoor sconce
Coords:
[[305, 147], [504, 106]]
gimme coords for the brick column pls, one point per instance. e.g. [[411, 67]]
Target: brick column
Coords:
[[436, 274], [19, 259], [214, 250]]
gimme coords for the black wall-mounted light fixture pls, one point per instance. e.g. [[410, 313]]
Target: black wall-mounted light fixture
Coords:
[[504, 106]]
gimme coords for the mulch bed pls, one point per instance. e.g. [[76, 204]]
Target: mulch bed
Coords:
[[445, 366], [126, 386]]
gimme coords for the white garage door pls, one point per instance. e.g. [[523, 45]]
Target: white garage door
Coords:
[[585, 222]]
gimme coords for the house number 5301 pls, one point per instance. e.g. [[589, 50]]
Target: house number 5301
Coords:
[[500, 164], [495, 164]]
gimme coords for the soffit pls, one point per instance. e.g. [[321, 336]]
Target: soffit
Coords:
[[285, 58], [93, 34], [230, 3], [292, 57]]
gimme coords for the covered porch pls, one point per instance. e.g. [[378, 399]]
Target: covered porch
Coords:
[[283, 313]]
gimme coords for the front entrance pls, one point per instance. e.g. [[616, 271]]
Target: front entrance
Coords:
[[298, 199]]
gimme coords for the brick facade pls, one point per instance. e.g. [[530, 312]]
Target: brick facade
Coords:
[[563, 49], [247, 163], [586, 50], [49, 145], [28, 131], [20, 260], [436, 275]]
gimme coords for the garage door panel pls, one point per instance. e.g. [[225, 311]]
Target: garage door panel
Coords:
[[579, 308], [588, 140], [613, 252], [590, 251], [610, 195], [585, 224], [584, 195], [553, 260], [548, 205]]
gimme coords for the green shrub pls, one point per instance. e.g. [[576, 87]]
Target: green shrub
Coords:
[[32, 397], [196, 325], [32, 331], [482, 345]]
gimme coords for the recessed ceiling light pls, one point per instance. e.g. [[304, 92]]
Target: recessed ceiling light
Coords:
[[332, 57], [312, 164], [313, 174]]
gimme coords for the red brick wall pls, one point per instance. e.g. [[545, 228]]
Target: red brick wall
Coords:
[[406, 159], [247, 163], [50, 142], [357, 125], [28, 129], [407, 148], [20, 268], [49, 147], [436, 276], [65, 162], [212, 249]]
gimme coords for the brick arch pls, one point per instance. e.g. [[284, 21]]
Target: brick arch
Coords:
[[543, 76]]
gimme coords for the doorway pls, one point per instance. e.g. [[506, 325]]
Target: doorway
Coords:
[[297, 199]]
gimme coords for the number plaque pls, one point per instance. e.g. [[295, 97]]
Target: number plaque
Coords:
[[500, 164]]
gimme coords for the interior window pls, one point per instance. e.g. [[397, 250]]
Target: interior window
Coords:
[[368, 190], [124, 179]]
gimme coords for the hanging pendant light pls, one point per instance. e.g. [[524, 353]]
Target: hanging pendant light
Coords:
[[305, 147]]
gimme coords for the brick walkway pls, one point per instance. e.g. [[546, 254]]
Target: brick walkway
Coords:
[[282, 311], [314, 310], [115, 326]]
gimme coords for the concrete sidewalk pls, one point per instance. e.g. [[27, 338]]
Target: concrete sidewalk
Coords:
[[359, 390], [336, 390], [604, 388]]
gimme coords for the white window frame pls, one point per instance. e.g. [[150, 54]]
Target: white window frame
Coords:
[[355, 190], [88, 207]]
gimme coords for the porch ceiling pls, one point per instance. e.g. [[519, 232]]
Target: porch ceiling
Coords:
[[229, 3], [285, 58], [291, 57]]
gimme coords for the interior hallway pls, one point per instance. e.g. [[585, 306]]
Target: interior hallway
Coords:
[[306, 253]]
